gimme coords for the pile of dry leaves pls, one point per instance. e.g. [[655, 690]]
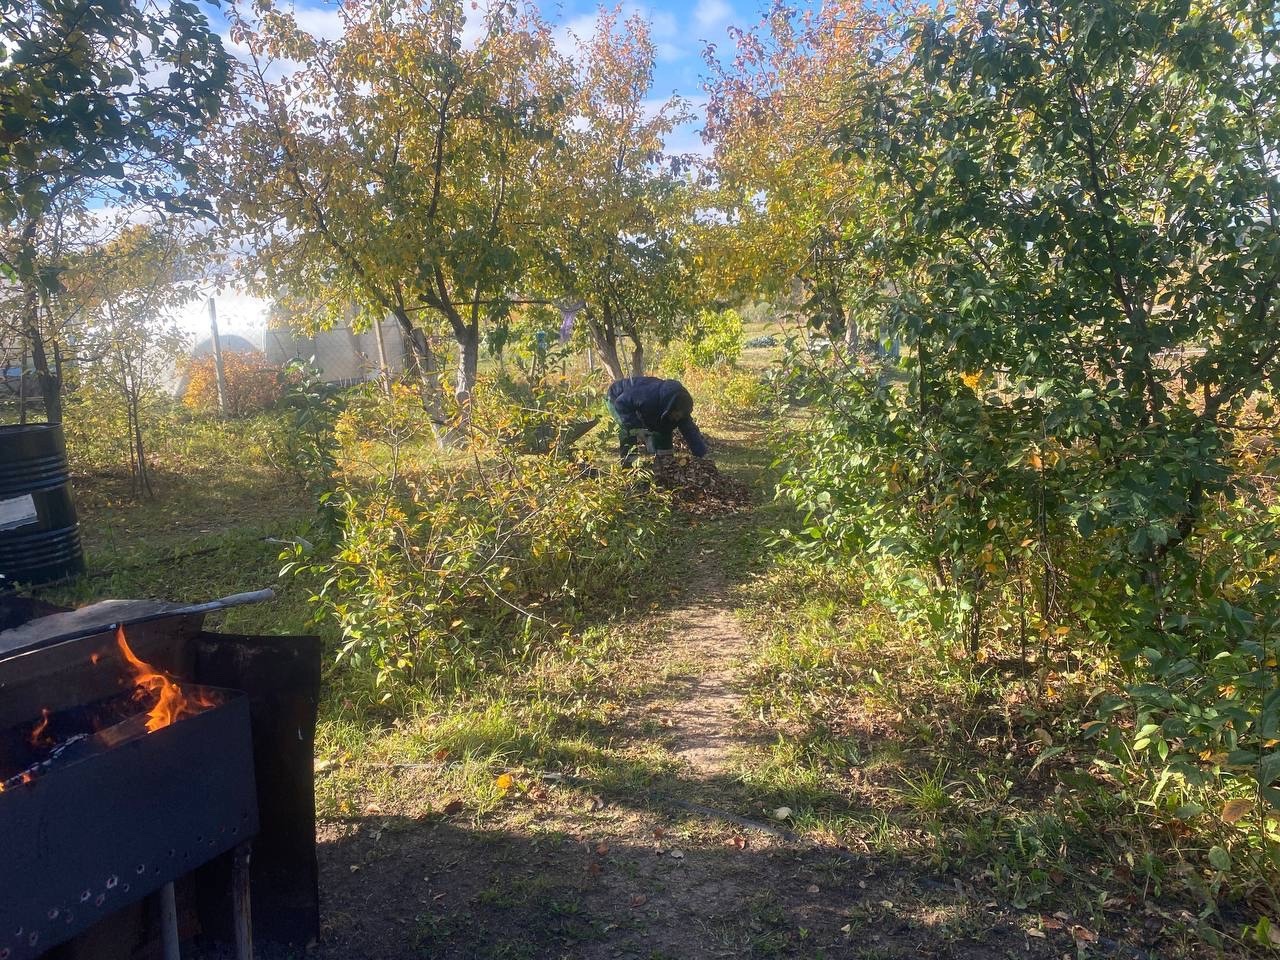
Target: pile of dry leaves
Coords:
[[698, 486]]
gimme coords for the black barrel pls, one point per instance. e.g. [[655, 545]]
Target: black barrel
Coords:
[[39, 534]]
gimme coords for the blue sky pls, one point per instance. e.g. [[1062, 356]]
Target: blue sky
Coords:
[[680, 32]]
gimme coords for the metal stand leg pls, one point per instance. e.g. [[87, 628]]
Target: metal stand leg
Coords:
[[240, 905], [169, 923]]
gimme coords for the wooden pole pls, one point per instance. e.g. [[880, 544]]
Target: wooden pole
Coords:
[[22, 389], [384, 371], [169, 923], [240, 903], [217, 358]]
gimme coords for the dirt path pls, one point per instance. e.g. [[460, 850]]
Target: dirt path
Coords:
[[704, 716], [658, 858]]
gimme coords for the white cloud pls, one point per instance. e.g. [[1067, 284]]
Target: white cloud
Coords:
[[323, 22], [663, 24], [712, 14], [663, 27], [570, 35], [669, 51], [473, 28], [686, 140]]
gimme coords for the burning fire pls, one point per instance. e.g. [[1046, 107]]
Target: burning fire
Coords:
[[172, 703], [39, 733]]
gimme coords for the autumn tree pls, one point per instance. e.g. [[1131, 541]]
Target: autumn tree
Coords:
[[792, 211], [393, 166], [616, 236], [101, 99], [130, 344], [1082, 201]]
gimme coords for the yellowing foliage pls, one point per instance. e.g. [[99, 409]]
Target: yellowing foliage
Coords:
[[253, 384]]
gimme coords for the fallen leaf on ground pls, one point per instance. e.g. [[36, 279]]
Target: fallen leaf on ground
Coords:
[[781, 813], [639, 899], [323, 765], [1236, 810], [1083, 934], [594, 804], [504, 782], [738, 842], [452, 807], [887, 904], [602, 848], [677, 854], [1037, 933], [812, 888], [659, 833]]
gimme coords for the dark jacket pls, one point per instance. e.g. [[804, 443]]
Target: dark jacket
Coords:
[[650, 402]]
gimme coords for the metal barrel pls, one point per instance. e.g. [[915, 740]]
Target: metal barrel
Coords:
[[39, 533]]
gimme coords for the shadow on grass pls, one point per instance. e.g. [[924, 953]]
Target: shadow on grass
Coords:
[[601, 886]]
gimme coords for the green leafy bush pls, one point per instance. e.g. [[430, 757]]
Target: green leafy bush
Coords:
[[727, 393], [440, 572], [712, 339], [1085, 303]]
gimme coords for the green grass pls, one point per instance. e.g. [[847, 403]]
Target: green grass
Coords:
[[212, 529], [887, 744], [879, 741]]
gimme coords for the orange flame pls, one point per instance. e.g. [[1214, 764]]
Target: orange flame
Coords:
[[171, 702], [39, 736]]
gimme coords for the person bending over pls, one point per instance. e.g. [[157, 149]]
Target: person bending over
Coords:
[[648, 410]]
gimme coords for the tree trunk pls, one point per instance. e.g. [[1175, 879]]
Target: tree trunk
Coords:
[[607, 346], [50, 389], [140, 454], [419, 359], [468, 363], [637, 359], [46, 379], [418, 353]]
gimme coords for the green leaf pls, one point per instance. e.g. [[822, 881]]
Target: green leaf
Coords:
[[1269, 769], [1219, 859]]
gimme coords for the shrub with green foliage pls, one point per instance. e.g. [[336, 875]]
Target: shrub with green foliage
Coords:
[[711, 339], [1077, 243], [442, 570]]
